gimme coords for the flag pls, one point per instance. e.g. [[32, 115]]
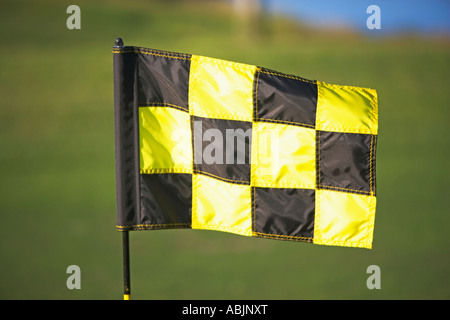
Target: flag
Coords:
[[210, 144]]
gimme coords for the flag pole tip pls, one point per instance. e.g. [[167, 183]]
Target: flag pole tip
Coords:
[[118, 42]]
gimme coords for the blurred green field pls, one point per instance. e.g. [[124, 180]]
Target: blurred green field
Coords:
[[57, 185]]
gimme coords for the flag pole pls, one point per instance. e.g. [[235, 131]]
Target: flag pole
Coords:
[[125, 239], [126, 266]]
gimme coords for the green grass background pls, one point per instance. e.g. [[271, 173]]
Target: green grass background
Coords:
[[57, 176]]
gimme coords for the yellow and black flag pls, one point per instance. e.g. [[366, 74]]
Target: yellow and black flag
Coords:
[[204, 143]]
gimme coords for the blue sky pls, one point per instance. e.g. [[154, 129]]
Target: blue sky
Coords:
[[420, 16]]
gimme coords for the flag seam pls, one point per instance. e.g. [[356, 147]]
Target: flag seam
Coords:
[[152, 226], [318, 158], [316, 231], [370, 165], [215, 227], [253, 209], [222, 179], [223, 116], [234, 65], [255, 97], [347, 190], [282, 237], [298, 124], [345, 243], [161, 105], [165, 170], [343, 86], [373, 162], [288, 76], [154, 53], [281, 185], [374, 109]]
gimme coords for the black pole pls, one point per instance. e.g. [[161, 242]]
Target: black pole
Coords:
[[125, 240], [126, 266]]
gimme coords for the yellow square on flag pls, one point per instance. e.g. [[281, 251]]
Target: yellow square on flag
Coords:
[[221, 89], [283, 156], [219, 205], [346, 109], [164, 139]]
